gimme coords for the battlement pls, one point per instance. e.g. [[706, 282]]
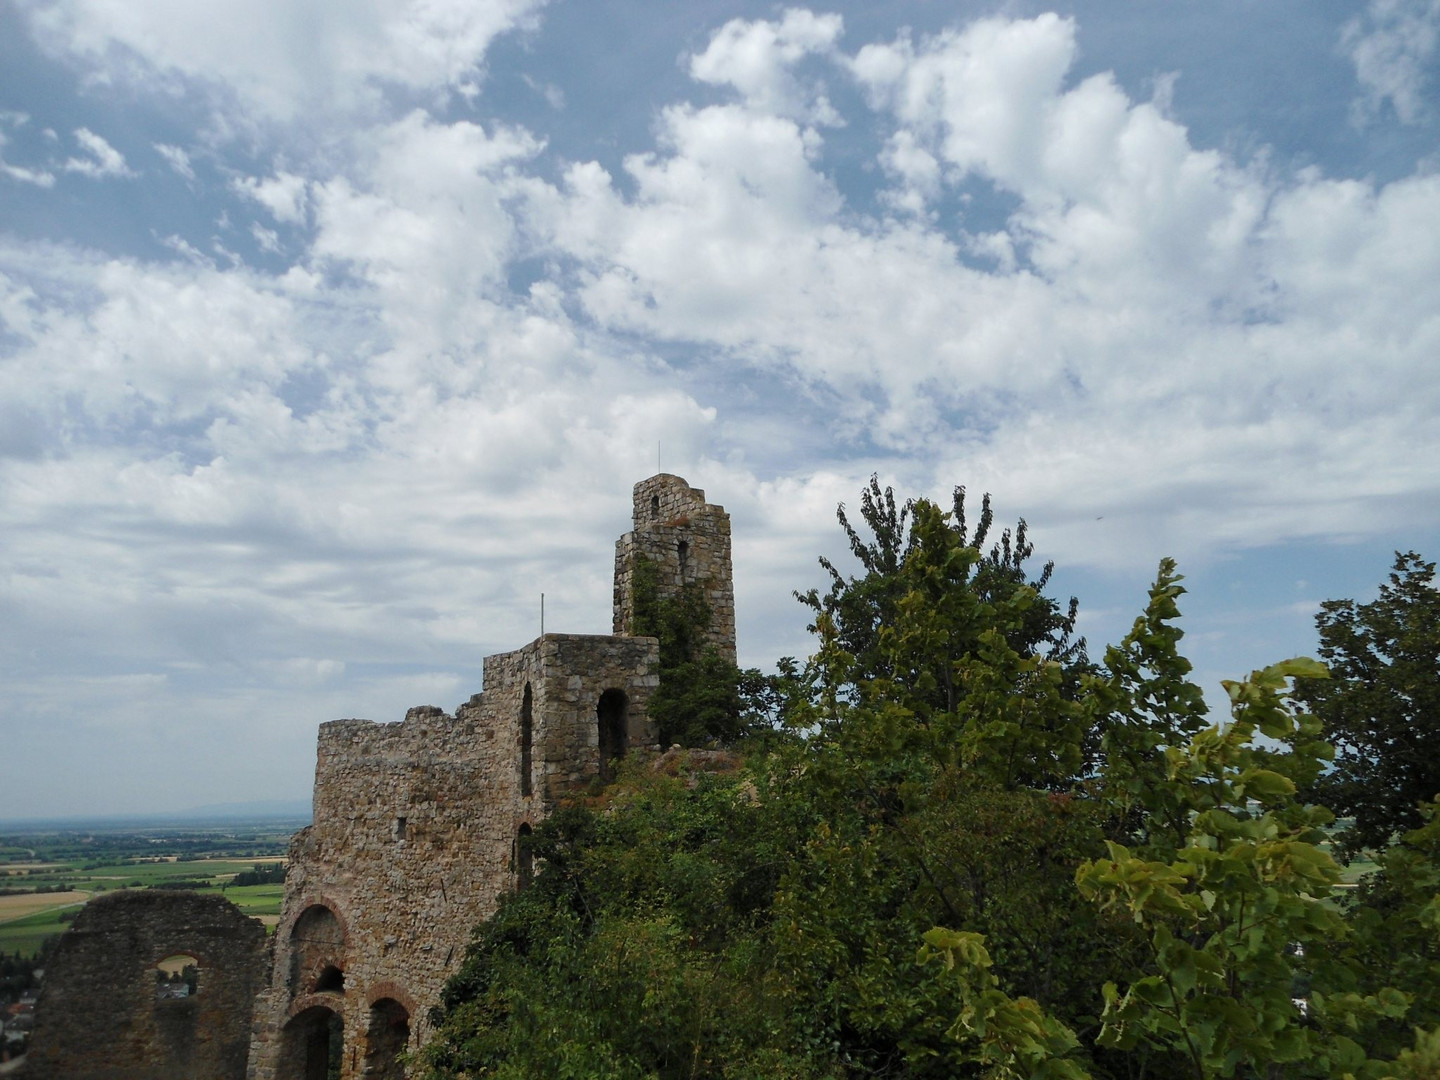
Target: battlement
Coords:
[[585, 698], [665, 498]]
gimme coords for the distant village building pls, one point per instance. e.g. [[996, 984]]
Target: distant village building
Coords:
[[16, 1023]]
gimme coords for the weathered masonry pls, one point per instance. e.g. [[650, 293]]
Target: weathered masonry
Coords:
[[415, 838], [417, 832], [688, 541], [105, 1014], [418, 824]]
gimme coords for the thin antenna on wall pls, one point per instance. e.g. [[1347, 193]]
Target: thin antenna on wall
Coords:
[[658, 467], [542, 614]]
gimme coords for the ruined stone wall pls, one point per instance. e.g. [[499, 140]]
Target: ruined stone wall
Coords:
[[407, 852], [688, 540], [99, 1018], [576, 676], [414, 841]]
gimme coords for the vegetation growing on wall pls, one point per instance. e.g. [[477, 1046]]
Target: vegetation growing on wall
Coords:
[[968, 851], [699, 700]]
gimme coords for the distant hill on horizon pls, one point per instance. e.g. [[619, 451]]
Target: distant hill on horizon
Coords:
[[266, 810]]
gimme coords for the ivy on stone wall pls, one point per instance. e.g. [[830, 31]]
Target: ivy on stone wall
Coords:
[[699, 700]]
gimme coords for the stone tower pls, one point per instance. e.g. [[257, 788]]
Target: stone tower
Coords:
[[419, 828], [689, 541]]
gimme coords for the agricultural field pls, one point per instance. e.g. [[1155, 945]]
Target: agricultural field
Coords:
[[258, 901], [24, 905], [47, 875], [27, 935]]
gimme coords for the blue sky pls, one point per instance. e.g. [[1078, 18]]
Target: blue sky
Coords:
[[333, 333]]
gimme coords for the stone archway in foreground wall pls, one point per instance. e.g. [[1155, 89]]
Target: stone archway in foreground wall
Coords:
[[317, 951], [312, 1044], [100, 1016], [387, 1035]]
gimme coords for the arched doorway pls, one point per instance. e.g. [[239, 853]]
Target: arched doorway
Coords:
[[317, 944], [612, 713], [312, 1045], [385, 1039]]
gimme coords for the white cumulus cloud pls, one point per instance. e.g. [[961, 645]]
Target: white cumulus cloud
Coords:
[[327, 483], [759, 59], [282, 57], [1391, 46], [285, 195]]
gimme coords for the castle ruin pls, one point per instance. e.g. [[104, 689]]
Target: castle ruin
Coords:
[[102, 1015], [419, 825]]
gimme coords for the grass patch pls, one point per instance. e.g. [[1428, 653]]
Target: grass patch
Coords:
[[1359, 866], [149, 873], [256, 900], [26, 935]]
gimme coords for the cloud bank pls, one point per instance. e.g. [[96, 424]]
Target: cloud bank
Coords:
[[322, 454]]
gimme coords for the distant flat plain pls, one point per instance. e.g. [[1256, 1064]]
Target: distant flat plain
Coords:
[[50, 870]]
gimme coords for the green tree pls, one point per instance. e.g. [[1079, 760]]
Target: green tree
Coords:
[[941, 761], [968, 854], [1381, 705], [769, 923], [1394, 940], [1143, 704], [1237, 920], [639, 950], [1223, 913], [858, 608]]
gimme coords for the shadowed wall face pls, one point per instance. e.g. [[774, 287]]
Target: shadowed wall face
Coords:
[[104, 1013], [386, 1036]]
